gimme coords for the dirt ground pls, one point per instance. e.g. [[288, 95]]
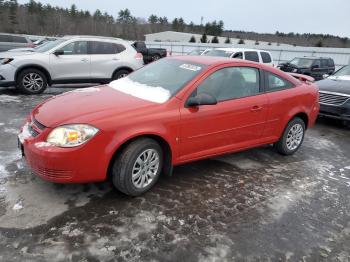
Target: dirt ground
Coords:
[[250, 206]]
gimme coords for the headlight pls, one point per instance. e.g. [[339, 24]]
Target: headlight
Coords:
[[5, 61], [295, 70], [71, 135]]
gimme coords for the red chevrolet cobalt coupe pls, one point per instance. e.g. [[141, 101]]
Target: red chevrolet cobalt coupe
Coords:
[[168, 113]]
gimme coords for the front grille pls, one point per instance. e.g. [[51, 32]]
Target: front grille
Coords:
[[333, 99], [38, 124], [32, 131], [52, 173]]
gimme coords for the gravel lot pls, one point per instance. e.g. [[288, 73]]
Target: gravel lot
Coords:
[[251, 206]]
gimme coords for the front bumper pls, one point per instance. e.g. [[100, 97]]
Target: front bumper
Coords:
[[336, 112], [63, 165], [7, 75]]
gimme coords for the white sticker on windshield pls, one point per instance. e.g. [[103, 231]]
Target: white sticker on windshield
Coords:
[[190, 67]]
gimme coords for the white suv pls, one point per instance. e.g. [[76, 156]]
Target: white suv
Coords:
[[72, 59], [259, 56]]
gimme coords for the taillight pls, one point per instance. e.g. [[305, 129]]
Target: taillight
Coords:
[[138, 56], [30, 45]]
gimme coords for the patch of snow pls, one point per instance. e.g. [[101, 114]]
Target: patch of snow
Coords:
[[9, 99], [2, 124], [347, 167], [150, 93], [18, 206], [11, 130], [346, 77], [25, 134], [86, 90]]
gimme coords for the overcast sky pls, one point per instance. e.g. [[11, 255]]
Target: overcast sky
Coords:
[[301, 16]]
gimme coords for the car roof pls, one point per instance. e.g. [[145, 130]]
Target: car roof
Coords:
[[314, 57], [239, 49], [92, 37]]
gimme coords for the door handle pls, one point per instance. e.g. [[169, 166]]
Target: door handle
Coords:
[[256, 109], [84, 60]]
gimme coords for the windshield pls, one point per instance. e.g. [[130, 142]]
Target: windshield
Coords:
[[301, 62], [48, 46], [345, 71], [158, 81], [216, 52]]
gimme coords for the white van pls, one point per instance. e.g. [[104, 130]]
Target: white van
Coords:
[[255, 55]]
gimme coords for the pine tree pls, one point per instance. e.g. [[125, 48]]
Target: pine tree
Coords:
[[228, 40], [241, 42], [319, 44], [204, 38], [193, 39], [215, 40]]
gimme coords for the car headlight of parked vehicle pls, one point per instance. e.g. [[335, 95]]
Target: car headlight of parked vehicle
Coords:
[[4, 61], [71, 135]]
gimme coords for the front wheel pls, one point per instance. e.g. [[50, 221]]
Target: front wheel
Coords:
[[292, 137], [138, 167], [31, 81]]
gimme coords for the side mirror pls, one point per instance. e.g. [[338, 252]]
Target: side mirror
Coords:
[[58, 52], [201, 100]]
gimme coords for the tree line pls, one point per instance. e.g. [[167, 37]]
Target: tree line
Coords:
[[45, 19]]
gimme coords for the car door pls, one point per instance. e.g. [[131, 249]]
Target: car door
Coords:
[[236, 121], [281, 98], [105, 58], [73, 64], [251, 56]]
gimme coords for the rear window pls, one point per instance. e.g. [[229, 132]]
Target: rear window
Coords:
[[104, 48], [251, 56], [221, 53], [266, 58]]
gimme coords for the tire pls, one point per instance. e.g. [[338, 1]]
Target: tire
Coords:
[[31, 81], [155, 57], [129, 162], [292, 137], [120, 74]]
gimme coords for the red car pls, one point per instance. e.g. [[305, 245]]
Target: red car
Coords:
[[171, 112]]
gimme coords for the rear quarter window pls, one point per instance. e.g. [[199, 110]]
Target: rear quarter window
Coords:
[[104, 48], [252, 56], [331, 63], [274, 82], [266, 57]]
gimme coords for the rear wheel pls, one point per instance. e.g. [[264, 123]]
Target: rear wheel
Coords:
[[138, 167], [155, 57], [292, 137], [120, 74], [31, 81]]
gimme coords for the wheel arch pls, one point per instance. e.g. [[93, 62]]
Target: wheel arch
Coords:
[[165, 145], [37, 67]]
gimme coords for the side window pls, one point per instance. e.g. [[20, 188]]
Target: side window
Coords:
[[103, 48], [230, 83], [317, 63], [251, 56], [324, 63], [330, 62], [266, 58], [18, 39], [75, 48], [275, 82], [238, 55], [5, 38]]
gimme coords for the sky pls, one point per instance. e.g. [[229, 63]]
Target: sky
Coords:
[[263, 16]]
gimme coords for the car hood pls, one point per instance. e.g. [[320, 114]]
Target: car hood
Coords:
[[12, 54], [88, 106], [337, 85]]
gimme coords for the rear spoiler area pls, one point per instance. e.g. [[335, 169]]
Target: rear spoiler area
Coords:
[[303, 78]]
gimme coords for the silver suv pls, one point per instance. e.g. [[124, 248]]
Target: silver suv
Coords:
[[72, 59]]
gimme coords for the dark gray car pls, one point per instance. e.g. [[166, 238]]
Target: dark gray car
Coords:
[[11, 41], [335, 95]]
